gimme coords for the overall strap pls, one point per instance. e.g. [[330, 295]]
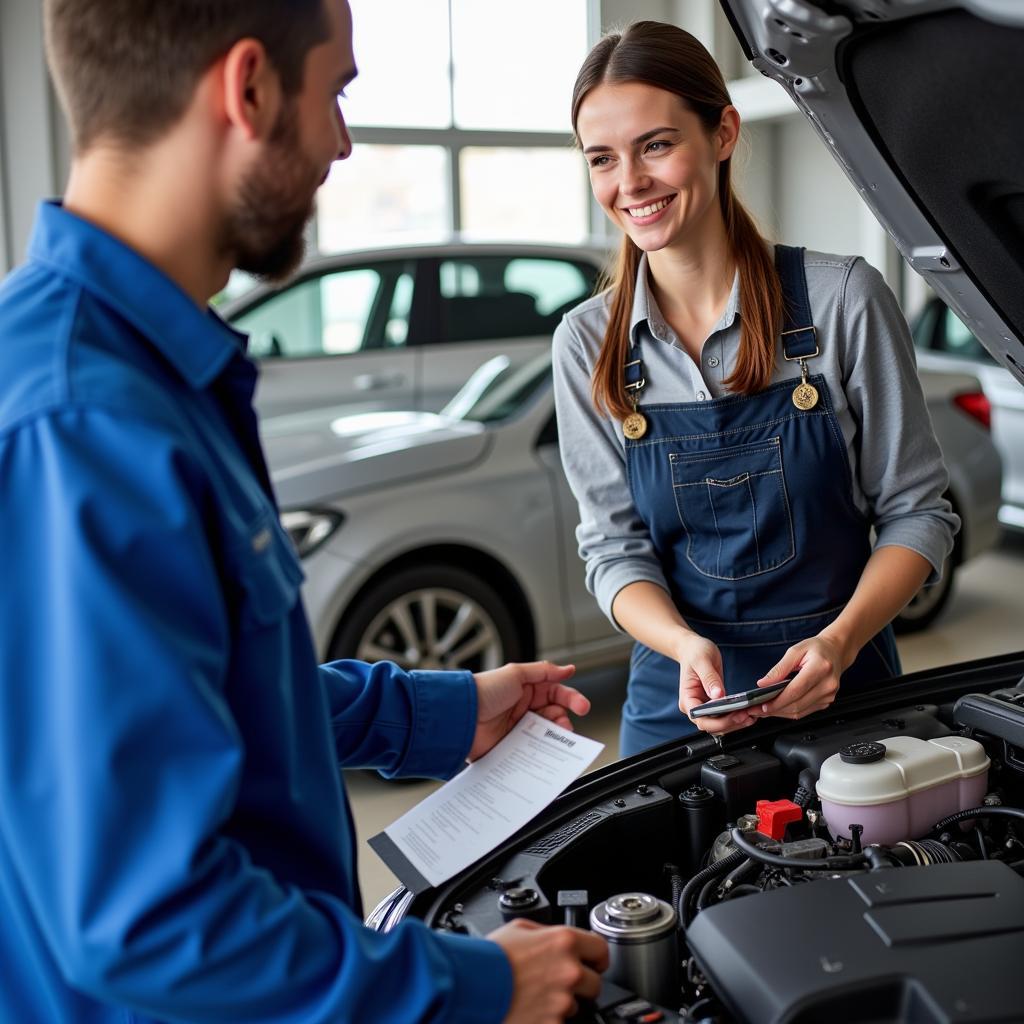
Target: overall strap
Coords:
[[633, 372], [799, 339]]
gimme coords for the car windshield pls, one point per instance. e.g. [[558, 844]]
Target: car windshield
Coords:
[[500, 389]]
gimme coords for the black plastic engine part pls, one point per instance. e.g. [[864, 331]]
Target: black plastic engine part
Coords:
[[574, 904], [1001, 715], [611, 846], [702, 817], [756, 851], [741, 778], [809, 747], [921, 945], [523, 901]]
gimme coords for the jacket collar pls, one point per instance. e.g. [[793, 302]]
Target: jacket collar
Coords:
[[196, 342]]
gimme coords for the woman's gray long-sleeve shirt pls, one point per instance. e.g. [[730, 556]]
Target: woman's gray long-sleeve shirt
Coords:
[[867, 358]]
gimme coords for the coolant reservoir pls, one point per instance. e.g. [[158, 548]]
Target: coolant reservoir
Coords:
[[898, 789]]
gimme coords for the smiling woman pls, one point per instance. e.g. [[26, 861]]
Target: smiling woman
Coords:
[[726, 521]]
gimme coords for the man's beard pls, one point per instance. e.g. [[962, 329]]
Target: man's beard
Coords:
[[264, 233]]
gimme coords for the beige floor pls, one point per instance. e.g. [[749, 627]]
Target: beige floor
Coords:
[[985, 617]]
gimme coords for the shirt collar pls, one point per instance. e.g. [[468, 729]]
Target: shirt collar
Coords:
[[645, 307], [196, 342]]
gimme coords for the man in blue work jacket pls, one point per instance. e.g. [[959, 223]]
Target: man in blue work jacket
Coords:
[[175, 842]]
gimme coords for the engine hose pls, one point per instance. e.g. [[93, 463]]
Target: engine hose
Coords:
[[727, 883], [853, 860], [738, 874], [676, 881], [937, 853], [697, 882], [978, 812], [981, 842], [879, 859], [705, 894]]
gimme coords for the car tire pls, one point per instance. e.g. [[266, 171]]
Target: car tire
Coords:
[[430, 617], [927, 603]]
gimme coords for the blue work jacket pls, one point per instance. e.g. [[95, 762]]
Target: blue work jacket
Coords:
[[175, 841]]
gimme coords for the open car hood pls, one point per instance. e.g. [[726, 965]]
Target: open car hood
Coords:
[[927, 940], [920, 101]]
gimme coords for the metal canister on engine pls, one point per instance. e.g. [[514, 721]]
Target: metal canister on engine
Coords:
[[641, 934]]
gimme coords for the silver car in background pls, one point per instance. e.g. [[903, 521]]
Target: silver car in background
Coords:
[[441, 540], [945, 345], [405, 327], [448, 540]]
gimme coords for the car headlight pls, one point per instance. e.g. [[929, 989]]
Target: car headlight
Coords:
[[310, 528]]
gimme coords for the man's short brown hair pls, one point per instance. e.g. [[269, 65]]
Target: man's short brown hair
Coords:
[[127, 69]]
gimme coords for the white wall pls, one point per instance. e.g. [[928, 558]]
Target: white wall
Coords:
[[33, 142], [755, 177]]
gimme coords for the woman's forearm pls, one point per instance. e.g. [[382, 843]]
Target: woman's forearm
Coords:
[[646, 612], [892, 576]]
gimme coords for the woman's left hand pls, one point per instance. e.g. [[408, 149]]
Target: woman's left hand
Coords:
[[817, 662]]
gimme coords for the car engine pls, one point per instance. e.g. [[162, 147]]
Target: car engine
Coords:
[[865, 869]]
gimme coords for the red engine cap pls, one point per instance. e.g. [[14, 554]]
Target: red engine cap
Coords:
[[774, 815]]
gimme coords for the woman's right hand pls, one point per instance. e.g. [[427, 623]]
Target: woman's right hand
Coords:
[[700, 680]]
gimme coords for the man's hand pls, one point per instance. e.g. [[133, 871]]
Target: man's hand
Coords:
[[550, 968], [700, 680], [505, 694]]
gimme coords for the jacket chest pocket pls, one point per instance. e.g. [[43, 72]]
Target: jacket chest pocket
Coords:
[[733, 504], [267, 573]]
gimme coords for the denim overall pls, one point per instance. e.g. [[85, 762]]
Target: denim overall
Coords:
[[749, 504]]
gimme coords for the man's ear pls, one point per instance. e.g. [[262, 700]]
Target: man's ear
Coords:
[[251, 89]]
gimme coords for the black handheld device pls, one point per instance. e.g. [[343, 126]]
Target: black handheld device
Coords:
[[738, 701]]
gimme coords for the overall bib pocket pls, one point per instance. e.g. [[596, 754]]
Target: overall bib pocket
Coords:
[[733, 504]]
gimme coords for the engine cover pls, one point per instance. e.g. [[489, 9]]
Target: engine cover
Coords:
[[922, 945]]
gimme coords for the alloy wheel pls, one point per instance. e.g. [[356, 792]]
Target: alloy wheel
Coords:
[[433, 628]]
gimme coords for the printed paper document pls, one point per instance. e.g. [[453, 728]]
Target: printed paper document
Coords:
[[485, 804]]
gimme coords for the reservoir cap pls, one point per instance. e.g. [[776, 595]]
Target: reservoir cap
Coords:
[[865, 752]]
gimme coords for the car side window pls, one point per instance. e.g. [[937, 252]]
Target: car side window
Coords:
[[333, 314], [491, 298], [956, 339]]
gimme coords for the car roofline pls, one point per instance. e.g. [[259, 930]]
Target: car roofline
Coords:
[[322, 263]]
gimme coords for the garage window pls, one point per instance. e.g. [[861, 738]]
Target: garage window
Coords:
[[438, 149]]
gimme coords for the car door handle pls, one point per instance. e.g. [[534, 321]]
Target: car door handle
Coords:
[[376, 381]]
